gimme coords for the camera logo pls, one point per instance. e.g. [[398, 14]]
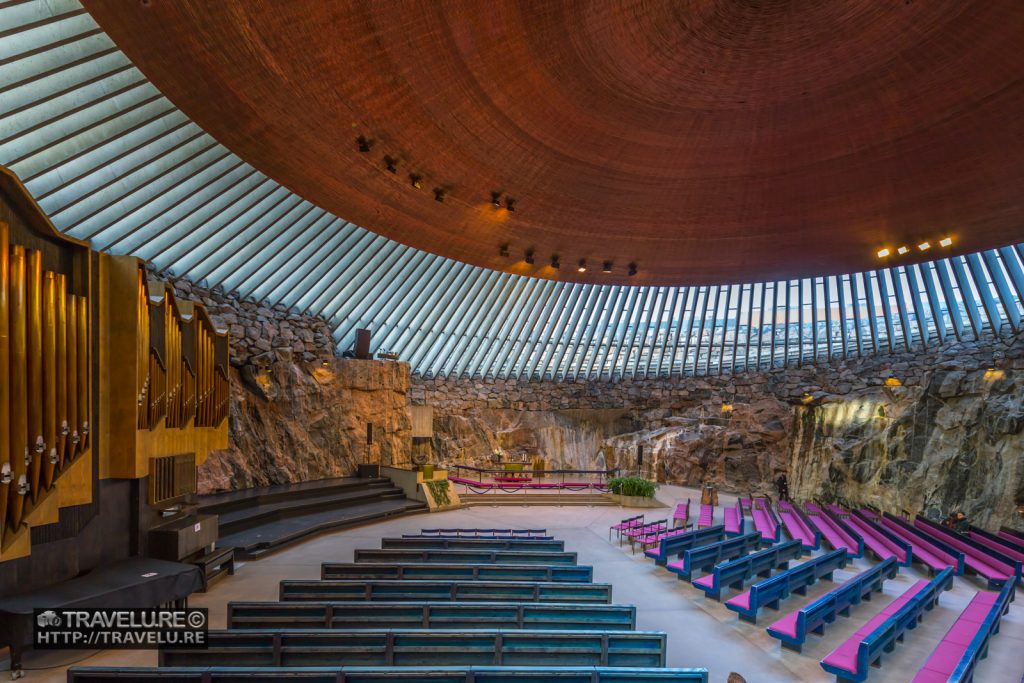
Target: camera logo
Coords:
[[48, 618]]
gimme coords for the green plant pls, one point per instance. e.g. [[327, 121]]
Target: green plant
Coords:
[[632, 486], [439, 491]]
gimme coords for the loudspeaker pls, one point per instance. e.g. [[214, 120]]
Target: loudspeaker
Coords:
[[363, 344], [369, 433]]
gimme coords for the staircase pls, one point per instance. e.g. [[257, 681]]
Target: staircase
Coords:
[[260, 520]]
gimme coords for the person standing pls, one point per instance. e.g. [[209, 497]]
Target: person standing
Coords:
[[782, 484]]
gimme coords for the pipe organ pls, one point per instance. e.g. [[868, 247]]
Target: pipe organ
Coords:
[[104, 374], [45, 331]]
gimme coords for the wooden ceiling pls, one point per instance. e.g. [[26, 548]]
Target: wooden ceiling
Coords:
[[708, 141]]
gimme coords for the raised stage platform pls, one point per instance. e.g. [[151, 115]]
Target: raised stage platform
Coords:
[[259, 520]]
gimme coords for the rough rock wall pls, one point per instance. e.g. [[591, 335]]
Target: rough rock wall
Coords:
[[950, 437], [299, 421]]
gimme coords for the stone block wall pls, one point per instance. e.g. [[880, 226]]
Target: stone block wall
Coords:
[[945, 431]]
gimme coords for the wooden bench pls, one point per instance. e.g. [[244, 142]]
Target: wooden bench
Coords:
[[432, 674], [934, 554], [813, 617], [836, 533], [995, 567], [540, 534], [734, 520], [967, 640], [215, 564], [681, 516], [1015, 535], [424, 647], [852, 660], [736, 572], [764, 520], [674, 546], [458, 572], [880, 541], [456, 591], [361, 614], [999, 543], [410, 556], [707, 516], [797, 526], [705, 557], [771, 591], [526, 544]]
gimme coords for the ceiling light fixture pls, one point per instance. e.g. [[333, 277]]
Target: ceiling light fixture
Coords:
[[529, 256], [503, 250], [496, 199], [882, 253], [555, 263], [582, 267], [946, 241], [924, 246], [391, 164], [902, 250], [439, 194], [606, 267], [632, 269], [416, 180], [363, 144]]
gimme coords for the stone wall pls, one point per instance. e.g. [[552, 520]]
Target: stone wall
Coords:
[[948, 436]]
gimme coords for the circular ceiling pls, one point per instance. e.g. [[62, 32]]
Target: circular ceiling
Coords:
[[706, 141]]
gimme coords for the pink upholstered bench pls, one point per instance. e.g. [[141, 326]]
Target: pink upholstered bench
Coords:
[[950, 650]]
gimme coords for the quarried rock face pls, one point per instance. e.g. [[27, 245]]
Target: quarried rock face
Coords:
[[956, 442], [294, 422]]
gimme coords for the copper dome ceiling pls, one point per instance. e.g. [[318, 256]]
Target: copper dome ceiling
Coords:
[[706, 141]]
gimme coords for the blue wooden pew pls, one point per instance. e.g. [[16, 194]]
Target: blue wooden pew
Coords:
[[793, 628], [675, 545], [773, 590], [570, 573], [704, 558], [736, 572], [852, 660], [396, 674], [447, 556], [528, 544]]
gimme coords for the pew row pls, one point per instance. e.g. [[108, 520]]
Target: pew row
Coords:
[[706, 517], [424, 647], [432, 674], [704, 558], [797, 526], [458, 572], [734, 519], [527, 544], [735, 573], [411, 556], [674, 546], [966, 642], [995, 567], [540, 534], [851, 661], [361, 615], [836, 533], [771, 591], [880, 541], [792, 629], [999, 543], [1015, 535], [764, 520], [454, 591], [934, 554]]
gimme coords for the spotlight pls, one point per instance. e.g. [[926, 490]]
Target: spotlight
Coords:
[[510, 204], [726, 408], [503, 250], [496, 199], [363, 144], [892, 381], [439, 194], [555, 263], [902, 250], [945, 241], [924, 246], [326, 363], [416, 180], [882, 253], [606, 267], [391, 164], [582, 267], [529, 256], [632, 269]]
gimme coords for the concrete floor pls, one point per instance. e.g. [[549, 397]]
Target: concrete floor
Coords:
[[701, 632]]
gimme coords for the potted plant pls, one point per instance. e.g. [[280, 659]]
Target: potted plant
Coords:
[[633, 491]]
